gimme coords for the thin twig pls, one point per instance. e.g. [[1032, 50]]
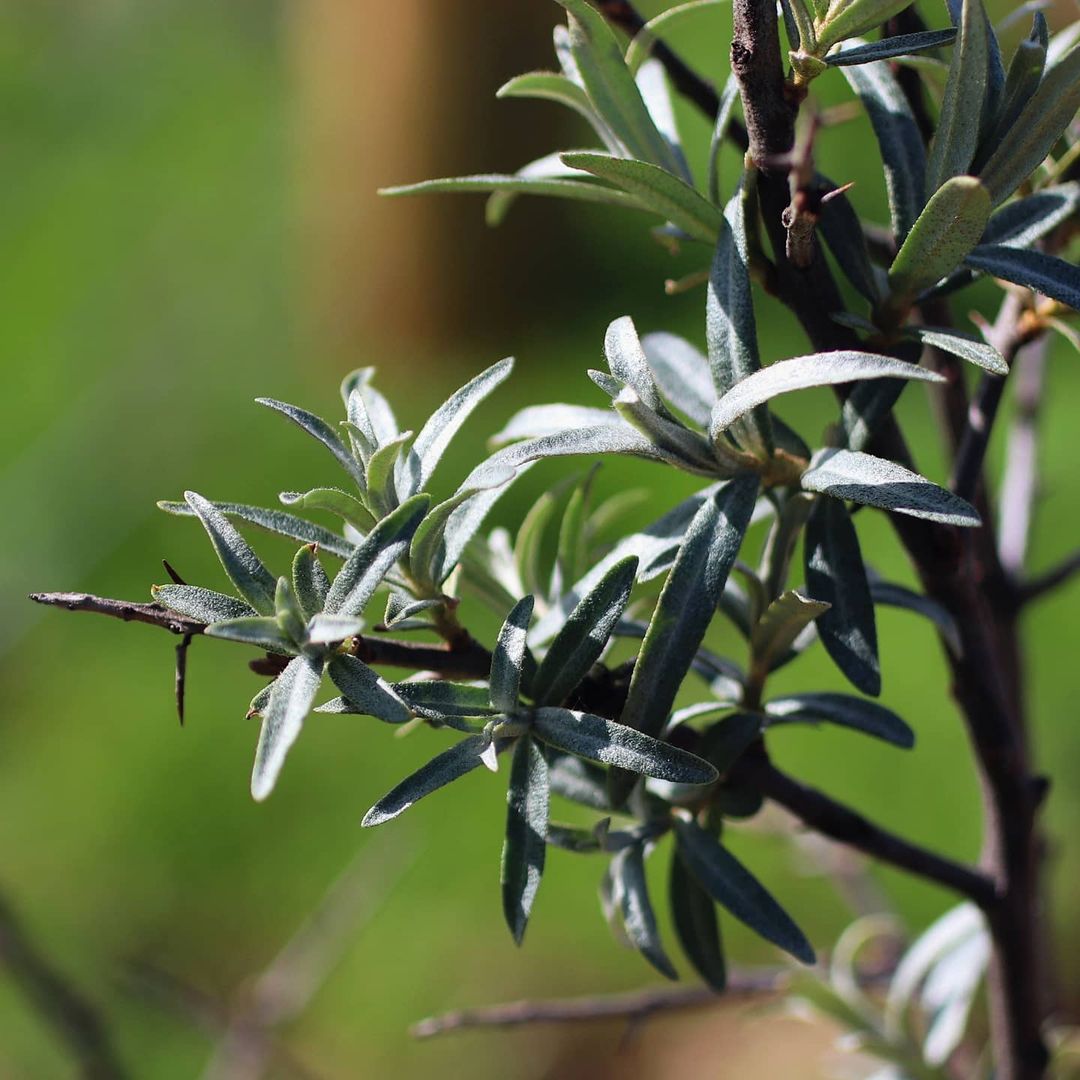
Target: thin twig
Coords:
[[75, 1021], [1042, 584]]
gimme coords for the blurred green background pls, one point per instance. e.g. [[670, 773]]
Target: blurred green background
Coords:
[[189, 220]]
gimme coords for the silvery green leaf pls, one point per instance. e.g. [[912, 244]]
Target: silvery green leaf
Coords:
[[310, 582], [536, 420], [1023, 221], [901, 597], [694, 915], [780, 625], [859, 714], [899, 141], [1047, 274], [378, 415], [682, 373], [580, 642], [605, 439], [529, 543], [290, 617], [656, 188], [572, 838], [258, 630], [949, 996], [366, 690], [886, 48], [728, 96], [435, 436], [873, 481], [550, 166], [730, 327], [203, 604], [578, 190], [946, 231], [333, 500], [627, 362], [596, 739], [835, 574], [290, 702], [365, 568], [652, 83], [580, 781], [382, 470], [260, 701], [1062, 42], [842, 230], [865, 407], [728, 882], [427, 550], [639, 920], [687, 603], [402, 608], [550, 86], [668, 435], [245, 569], [438, 698], [966, 346], [804, 372], [957, 137], [846, 20], [526, 834], [571, 556], [1040, 124], [611, 87], [641, 46], [728, 739], [465, 521], [724, 676], [274, 521], [326, 629], [319, 429], [440, 771], [508, 657]]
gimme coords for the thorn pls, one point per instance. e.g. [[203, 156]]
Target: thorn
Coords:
[[176, 578], [181, 666], [837, 192]]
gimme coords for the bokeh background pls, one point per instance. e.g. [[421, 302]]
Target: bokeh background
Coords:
[[189, 220]]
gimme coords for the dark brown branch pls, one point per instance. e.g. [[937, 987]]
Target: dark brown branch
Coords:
[[846, 826], [467, 659], [1045, 583], [74, 1021], [691, 85]]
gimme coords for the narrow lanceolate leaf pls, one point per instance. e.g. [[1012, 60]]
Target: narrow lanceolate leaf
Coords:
[[508, 657], [596, 739], [366, 691], [730, 327], [900, 45], [440, 771], [639, 919], [446, 420], [803, 372], [728, 96], [965, 346], [694, 914], [438, 698], [333, 500], [628, 363], [687, 604], [856, 713], [290, 701], [384, 468], [580, 642], [526, 834], [659, 26], [727, 881], [309, 580], [892, 595], [726, 741], [874, 481], [365, 568], [959, 124], [550, 86], [668, 435], [245, 569], [290, 617], [1023, 221], [780, 624], [899, 141], [682, 373], [835, 574], [1040, 124], [261, 631], [203, 604], [580, 781], [611, 87], [1047, 274], [273, 521], [326, 629], [842, 230], [662, 192], [536, 420], [319, 429], [946, 231], [578, 190], [855, 17]]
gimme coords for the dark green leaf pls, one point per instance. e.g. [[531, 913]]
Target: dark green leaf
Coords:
[[366, 690], [899, 45], [842, 230], [779, 626], [203, 604], [727, 881], [682, 374], [639, 920], [597, 739], [726, 741], [1023, 221], [309, 581], [698, 929], [847, 711], [965, 346], [508, 657], [847, 20], [577, 780], [334, 501], [263, 632], [526, 834], [835, 574], [898, 596], [438, 698], [319, 429], [1053, 277]]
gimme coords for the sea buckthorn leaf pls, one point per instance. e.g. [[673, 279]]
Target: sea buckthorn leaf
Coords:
[[966, 346], [1023, 221], [728, 882], [578, 780], [366, 691], [898, 45], [836, 575], [855, 17], [262, 631], [320, 430], [892, 595], [525, 845], [536, 420], [682, 373], [856, 713], [290, 701], [309, 580], [1047, 274], [873, 481], [638, 917], [693, 912], [780, 625], [203, 604], [326, 629], [508, 657], [551, 86], [333, 500], [289, 614]]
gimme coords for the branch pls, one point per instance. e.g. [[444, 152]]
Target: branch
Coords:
[[467, 659], [842, 824], [692, 86], [76, 1022], [1039, 586]]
